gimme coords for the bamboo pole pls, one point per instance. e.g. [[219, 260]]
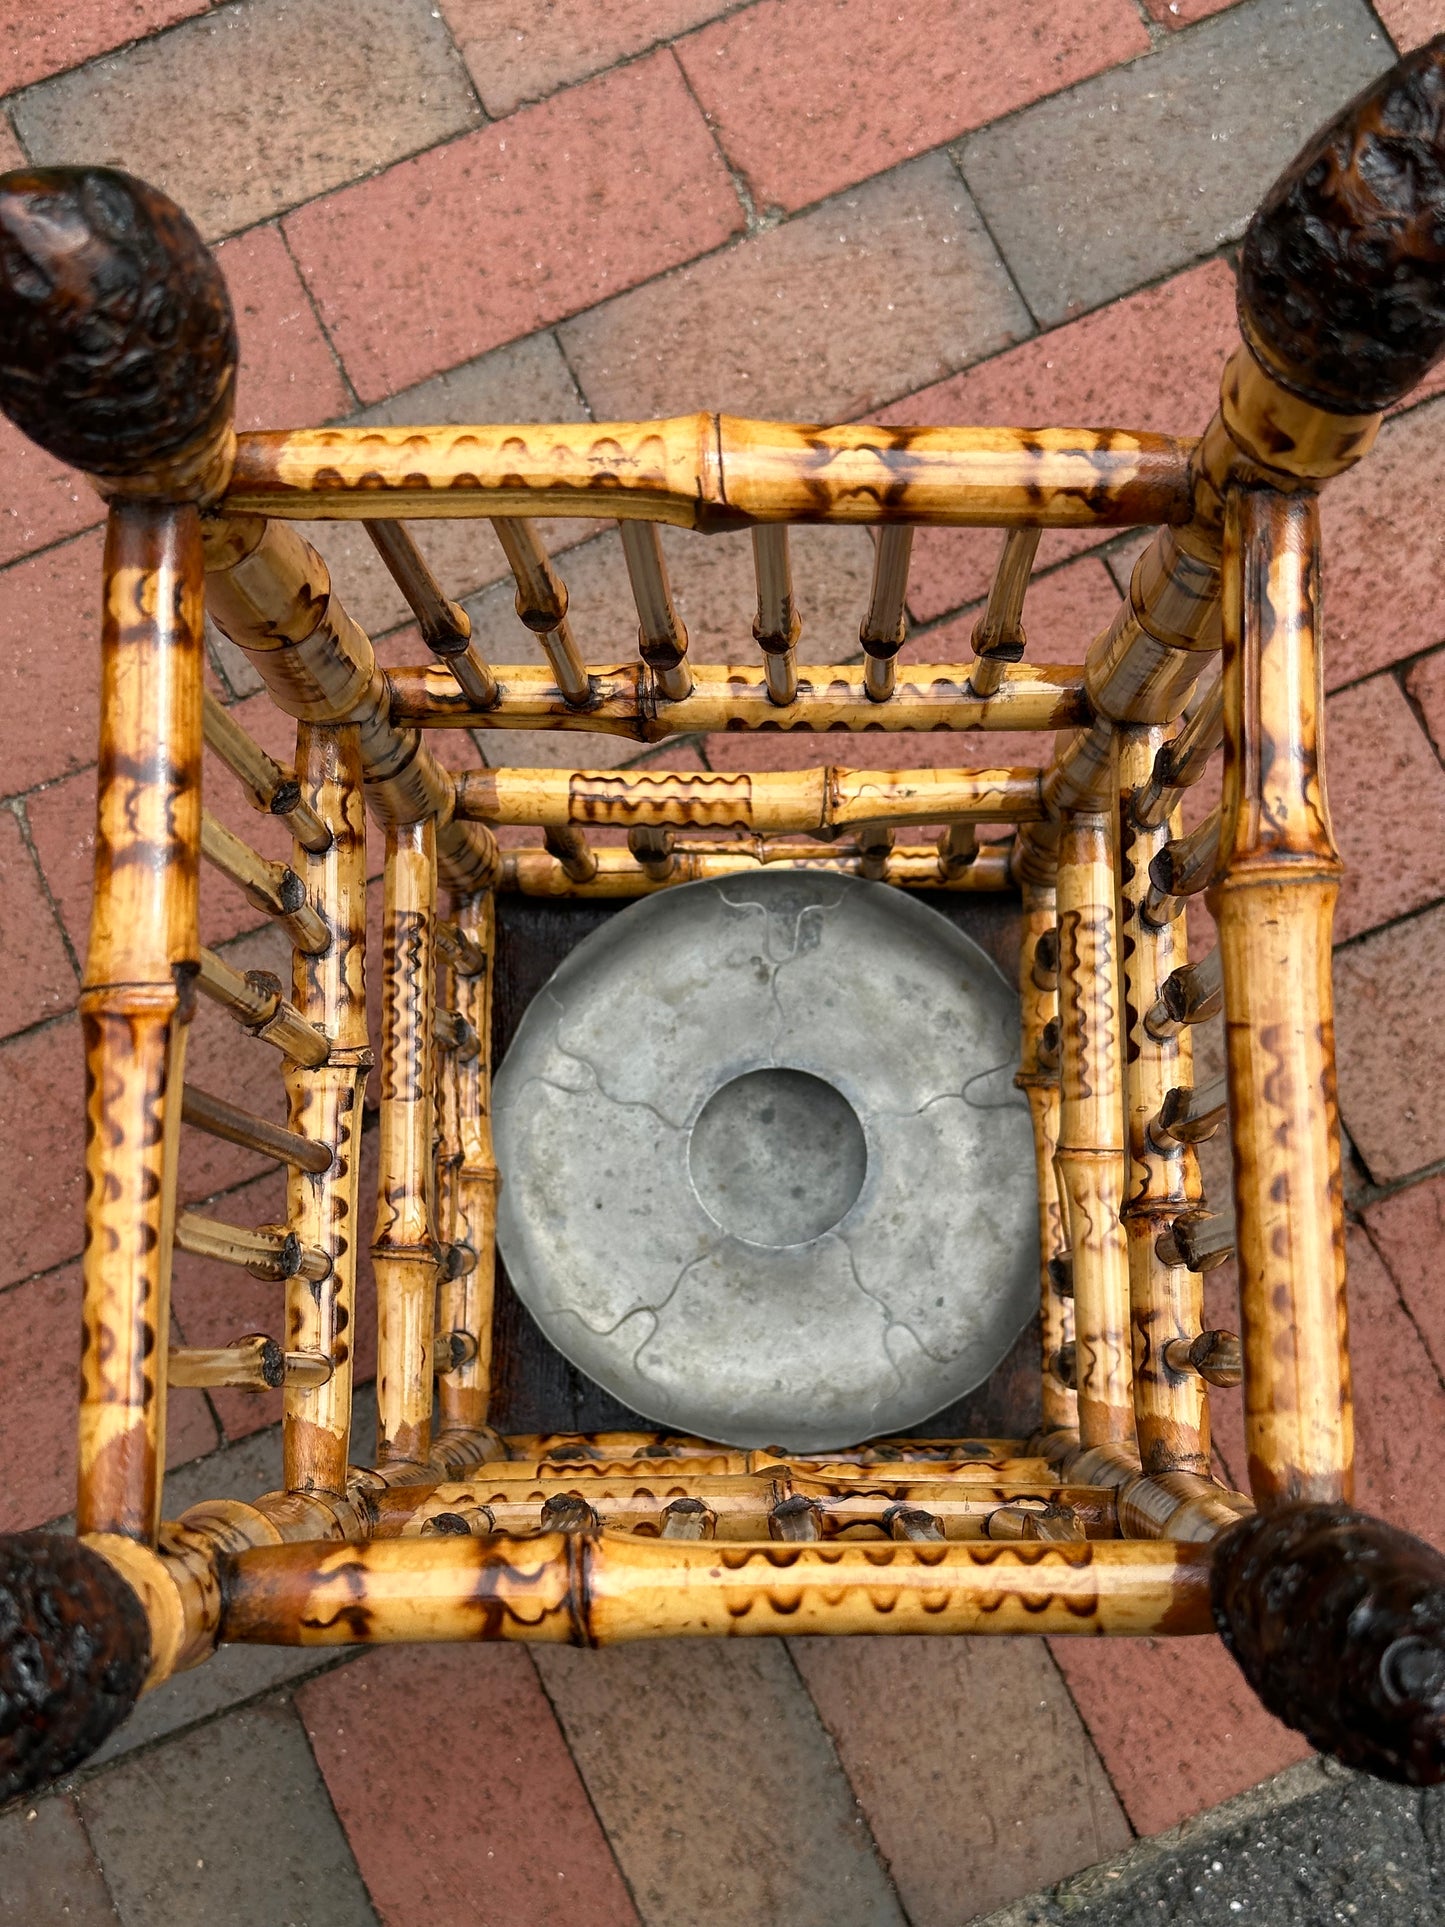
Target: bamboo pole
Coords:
[[1039, 988], [714, 472], [776, 626], [542, 605], [269, 1251], [445, 626], [473, 1182], [601, 1589], [273, 790], [404, 1249], [1171, 1409], [884, 628], [324, 1102], [255, 1001], [1274, 904], [1090, 1155], [270, 592], [767, 802], [998, 635], [141, 962], [931, 696], [273, 888], [909, 866], [661, 635], [217, 1118]]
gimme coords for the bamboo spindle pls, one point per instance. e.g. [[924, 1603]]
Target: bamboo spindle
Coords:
[[998, 635], [445, 626], [1200, 1240], [255, 1363], [621, 701], [1090, 1155], [1190, 994], [661, 636], [884, 628], [820, 800], [776, 626], [957, 850], [1182, 760], [274, 791], [1190, 1114], [324, 1102], [270, 592], [217, 1118], [459, 949], [473, 1181], [908, 866], [572, 851], [1171, 1409], [273, 888], [1039, 985], [255, 1001], [1181, 868], [270, 1251], [653, 849], [1274, 903], [404, 1251], [1215, 1355], [143, 955], [542, 606]]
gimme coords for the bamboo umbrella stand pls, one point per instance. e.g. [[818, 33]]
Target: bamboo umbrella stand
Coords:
[[118, 354]]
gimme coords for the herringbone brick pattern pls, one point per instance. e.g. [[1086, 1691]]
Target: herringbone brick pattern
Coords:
[[949, 210]]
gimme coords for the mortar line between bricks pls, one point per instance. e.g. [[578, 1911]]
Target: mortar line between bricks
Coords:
[[1158, 33], [885, 1866], [84, 1826], [17, 810], [1401, 1302], [555, 331], [753, 221], [592, 1808], [1098, 1752], [956, 163], [289, 1699], [1374, 12], [331, 348]]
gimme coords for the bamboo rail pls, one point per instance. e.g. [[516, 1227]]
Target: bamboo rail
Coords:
[[621, 701], [909, 866], [716, 472], [1039, 1081], [467, 1193], [767, 802]]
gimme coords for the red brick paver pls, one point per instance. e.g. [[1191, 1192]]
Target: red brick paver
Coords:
[[38, 39], [560, 205]]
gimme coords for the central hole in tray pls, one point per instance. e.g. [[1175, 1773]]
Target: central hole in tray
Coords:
[[777, 1156]]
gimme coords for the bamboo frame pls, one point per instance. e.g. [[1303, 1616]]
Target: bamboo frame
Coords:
[[1109, 1519]]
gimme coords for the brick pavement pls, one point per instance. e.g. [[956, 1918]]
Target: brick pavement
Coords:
[[990, 210]]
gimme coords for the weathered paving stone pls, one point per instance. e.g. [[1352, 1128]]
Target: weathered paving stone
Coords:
[[1133, 174], [229, 1825], [1315, 1846], [982, 1730], [721, 1794], [47, 1870]]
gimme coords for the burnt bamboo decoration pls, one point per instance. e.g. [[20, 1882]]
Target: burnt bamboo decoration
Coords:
[[470, 1201], [998, 635], [1090, 1155], [1171, 1409], [1274, 904], [661, 636], [324, 1103], [767, 802], [776, 626], [404, 1247], [884, 628], [542, 605], [1039, 1081], [272, 790], [445, 626], [621, 701]]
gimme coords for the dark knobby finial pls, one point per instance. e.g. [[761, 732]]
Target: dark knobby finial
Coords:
[[1337, 1621], [1342, 273], [74, 1654], [117, 340]]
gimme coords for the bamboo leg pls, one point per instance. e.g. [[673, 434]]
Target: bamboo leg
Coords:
[[1274, 902], [1038, 981], [140, 969], [466, 1300], [1091, 1126], [1171, 1408], [404, 1248], [325, 1104]]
